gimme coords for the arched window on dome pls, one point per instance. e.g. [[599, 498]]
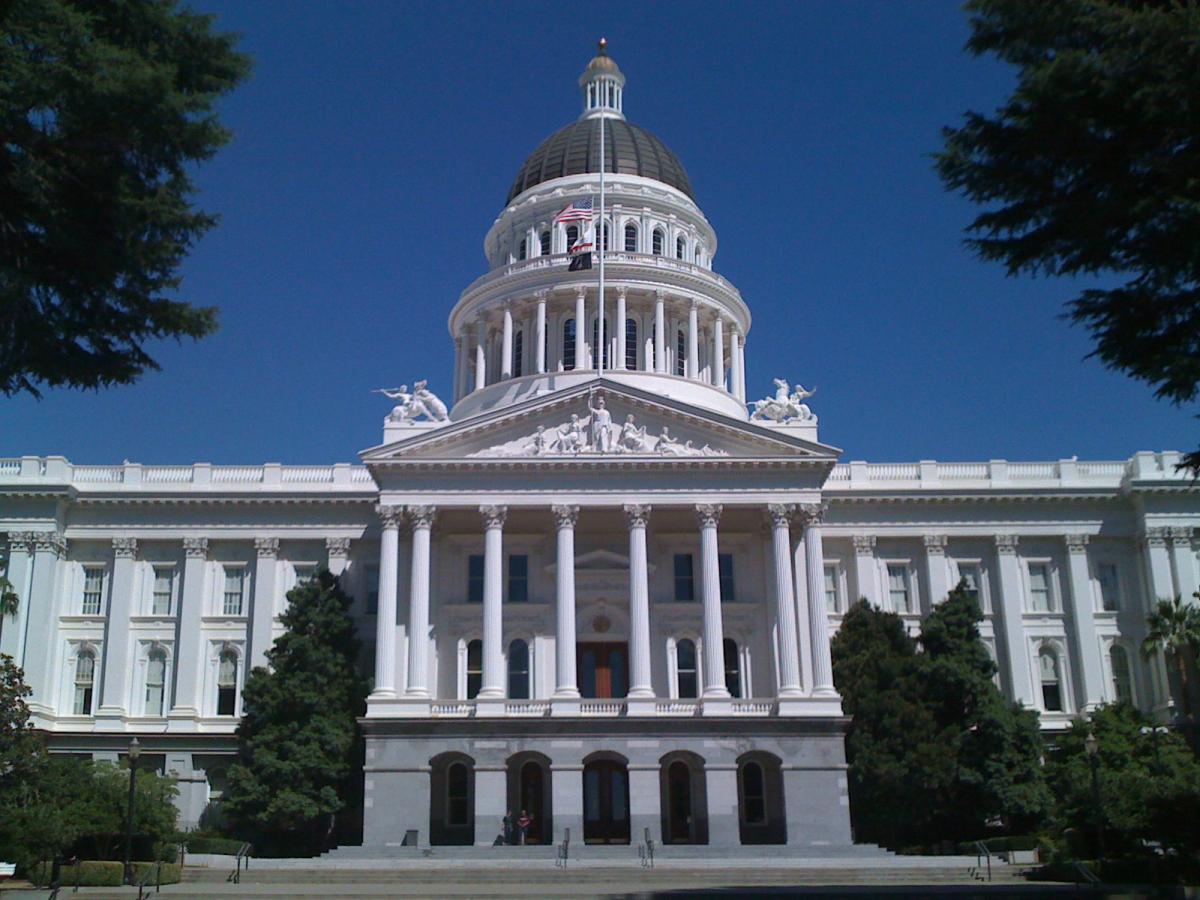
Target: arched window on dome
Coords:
[[680, 246], [658, 239], [524, 251], [680, 353], [631, 238], [518, 353], [631, 344], [569, 344], [572, 236], [545, 241]]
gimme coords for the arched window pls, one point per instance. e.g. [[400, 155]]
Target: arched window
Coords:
[[85, 682], [1122, 678], [631, 343], [680, 353], [631, 238], [545, 241], [657, 239], [474, 668], [596, 337], [733, 668], [227, 666], [754, 794], [524, 252], [679, 248], [458, 794], [156, 678], [572, 236], [569, 344], [518, 353], [518, 670], [696, 256], [604, 231], [686, 676], [1051, 685]]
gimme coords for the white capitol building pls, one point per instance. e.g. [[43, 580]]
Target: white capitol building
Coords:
[[599, 586]]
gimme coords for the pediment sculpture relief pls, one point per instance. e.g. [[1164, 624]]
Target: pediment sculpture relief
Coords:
[[786, 406], [597, 435], [421, 402]]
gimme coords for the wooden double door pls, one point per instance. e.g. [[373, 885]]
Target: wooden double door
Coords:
[[605, 803], [603, 669]]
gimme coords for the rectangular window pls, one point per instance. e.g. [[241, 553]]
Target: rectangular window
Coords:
[[156, 676], [372, 590], [518, 578], [968, 574], [164, 579], [899, 588], [1110, 587], [305, 573], [831, 589], [685, 583], [93, 590], [1039, 587], [475, 578], [235, 583], [725, 569]]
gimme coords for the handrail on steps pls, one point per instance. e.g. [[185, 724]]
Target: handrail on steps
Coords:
[[156, 871], [244, 852], [564, 850], [646, 851], [982, 853]]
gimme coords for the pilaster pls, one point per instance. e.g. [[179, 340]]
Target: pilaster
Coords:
[[938, 571], [262, 623], [1085, 640], [20, 577], [114, 695], [337, 554], [1011, 612], [189, 654], [41, 624], [865, 577]]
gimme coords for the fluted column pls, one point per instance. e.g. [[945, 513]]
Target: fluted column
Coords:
[[693, 340], [718, 352], [493, 615], [385, 614], [506, 347], [785, 602], [420, 518], [1183, 563], [117, 656], [619, 331], [565, 518], [660, 332], [639, 603], [480, 355], [800, 585], [189, 653], [581, 361], [707, 516], [735, 365], [741, 370], [1011, 610], [540, 332], [818, 617], [1084, 620], [939, 574]]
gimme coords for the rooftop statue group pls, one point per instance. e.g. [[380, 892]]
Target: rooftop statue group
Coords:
[[786, 406], [421, 402]]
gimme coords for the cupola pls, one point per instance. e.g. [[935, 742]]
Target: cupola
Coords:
[[603, 86]]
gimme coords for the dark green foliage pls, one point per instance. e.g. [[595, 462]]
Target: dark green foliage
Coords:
[[298, 741], [219, 845], [98, 873], [104, 109], [935, 750], [20, 747], [1089, 169], [1149, 785], [1173, 629]]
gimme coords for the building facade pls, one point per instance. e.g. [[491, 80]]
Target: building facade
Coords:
[[600, 586]]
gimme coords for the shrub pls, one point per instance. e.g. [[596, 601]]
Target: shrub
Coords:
[[227, 846], [101, 873]]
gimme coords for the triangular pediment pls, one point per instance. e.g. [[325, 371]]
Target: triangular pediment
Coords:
[[598, 422]]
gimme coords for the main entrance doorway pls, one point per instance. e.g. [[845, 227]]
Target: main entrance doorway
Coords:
[[603, 670], [679, 804], [605, 803]]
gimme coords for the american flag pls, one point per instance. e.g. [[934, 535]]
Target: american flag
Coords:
[[579, 211]]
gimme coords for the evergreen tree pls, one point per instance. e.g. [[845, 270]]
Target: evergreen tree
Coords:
[[1173, 629], [299, 747]]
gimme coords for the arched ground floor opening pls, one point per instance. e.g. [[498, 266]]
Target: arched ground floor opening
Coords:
[[683, 798], [530, 792], [606, 799]]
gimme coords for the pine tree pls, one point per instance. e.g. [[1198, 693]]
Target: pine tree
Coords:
[[299, 746]]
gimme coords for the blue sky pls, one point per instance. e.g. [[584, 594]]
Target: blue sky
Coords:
[[375, 143]]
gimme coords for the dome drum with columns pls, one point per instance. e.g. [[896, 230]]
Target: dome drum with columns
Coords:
[[592, 584]]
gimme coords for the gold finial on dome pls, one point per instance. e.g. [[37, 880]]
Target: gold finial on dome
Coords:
[[604, 46]]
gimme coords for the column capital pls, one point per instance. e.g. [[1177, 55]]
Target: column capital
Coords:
[[637, 514], [494, 516], [580, 292], [22, 540], [1180, 536], [1006, 543], [543, 294], [421, 516], [124, 547], [935, 544], [565, 516], [266, 548], [660, 295], [779, 515], [337, 547], [708, 514], [1154, 536], [1076, 543], [811, 513], [622, 292], [389, 515], [53, 542], [195, 547], [864, 544], [694, 303]]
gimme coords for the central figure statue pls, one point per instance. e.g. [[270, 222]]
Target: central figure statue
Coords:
[[601, 426]]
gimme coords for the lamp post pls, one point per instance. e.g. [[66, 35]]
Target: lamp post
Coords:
[[134, 750], [1092, 746]]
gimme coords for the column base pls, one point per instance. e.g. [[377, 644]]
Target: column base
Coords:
[[566, 694]]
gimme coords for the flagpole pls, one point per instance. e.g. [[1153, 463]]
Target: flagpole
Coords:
[[600, 246]]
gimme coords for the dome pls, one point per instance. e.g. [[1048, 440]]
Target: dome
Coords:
[[575, 150]]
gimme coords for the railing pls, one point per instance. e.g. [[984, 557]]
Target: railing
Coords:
[[237, 474], [10, 466], [527, 708], [154, 870], [601, 708], [306, 474], [169, 474], [1084, 874], [564, 850], [104, 474], [962, 471], [1032, 471], [677, 708], [243, 853], [646, 851], [56, 876], [893, 471], [752, 707], [452, 709], [982, 855]]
